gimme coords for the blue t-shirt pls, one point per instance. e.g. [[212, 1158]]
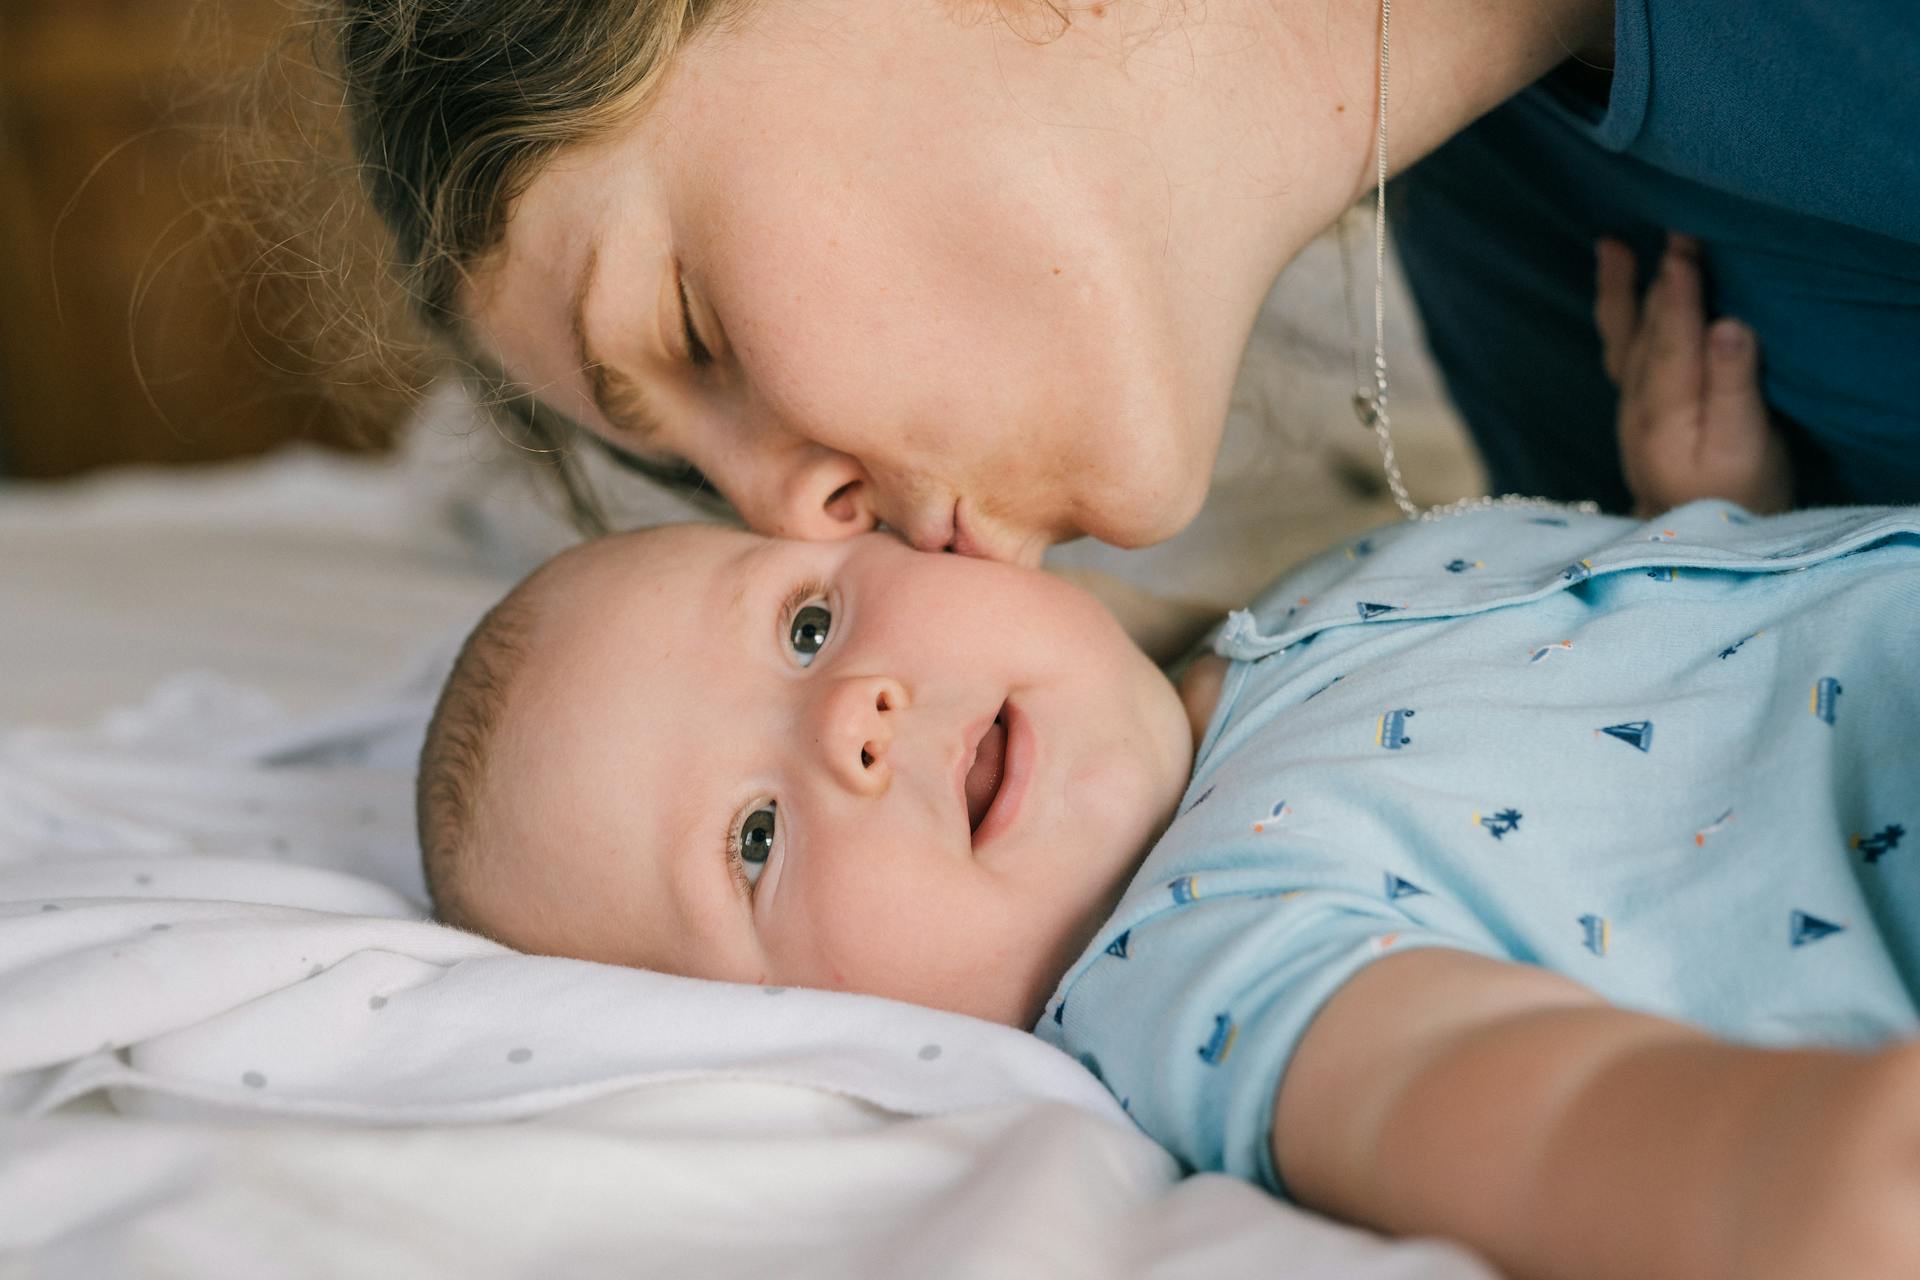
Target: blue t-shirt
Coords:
[[1677, 761], [1781, 133]]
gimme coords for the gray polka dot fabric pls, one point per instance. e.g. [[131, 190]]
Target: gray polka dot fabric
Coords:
[[235, 900]]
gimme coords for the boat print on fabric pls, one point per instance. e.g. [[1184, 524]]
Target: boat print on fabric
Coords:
[[1803, 928], [1544, 651], [1734, 648], [1876, 846], [1715, 827], [1736, 517], [1391, 729], [1369, 609], [1635, 733], [1665, 535], [1364, 547], [1399, 887], [1461, 566], [1661, 573], [1220, 1043], [1595, 934], [1824, 700], [1499, 824], [1184, 890], [1118, 947], [1280, 810]]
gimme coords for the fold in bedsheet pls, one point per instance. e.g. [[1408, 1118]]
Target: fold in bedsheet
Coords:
[[212, 912], [208, 904]]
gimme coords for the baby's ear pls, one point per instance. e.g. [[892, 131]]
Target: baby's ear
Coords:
[[1163, 626]]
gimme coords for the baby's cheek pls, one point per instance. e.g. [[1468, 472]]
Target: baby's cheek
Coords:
[[928, 943], [843, 931]]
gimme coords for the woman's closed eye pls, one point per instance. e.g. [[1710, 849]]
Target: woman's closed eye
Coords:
[[697, 352], [750, 845]]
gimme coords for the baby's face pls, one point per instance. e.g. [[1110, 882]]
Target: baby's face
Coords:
[[846, 765]]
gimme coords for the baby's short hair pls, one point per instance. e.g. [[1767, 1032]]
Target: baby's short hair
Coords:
[[455, 757], [463, 852]]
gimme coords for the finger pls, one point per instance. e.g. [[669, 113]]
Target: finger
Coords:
[[1616, 311], [1673, 324], [1739, 435], [1732, 403]]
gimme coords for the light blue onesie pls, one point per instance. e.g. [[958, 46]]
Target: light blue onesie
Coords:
[[1678, 761]]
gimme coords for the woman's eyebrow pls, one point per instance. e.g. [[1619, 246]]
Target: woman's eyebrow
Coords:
[[619, 400]]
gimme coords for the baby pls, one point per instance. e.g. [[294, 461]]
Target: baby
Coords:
[[1455, 798], [1454, 893], [847, 765]]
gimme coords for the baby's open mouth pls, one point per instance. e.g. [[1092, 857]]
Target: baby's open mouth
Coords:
[[989, 764]]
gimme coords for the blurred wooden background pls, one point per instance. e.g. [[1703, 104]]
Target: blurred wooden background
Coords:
[[119, 342]]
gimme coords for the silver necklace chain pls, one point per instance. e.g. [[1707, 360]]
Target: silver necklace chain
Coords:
[[1370, 394]]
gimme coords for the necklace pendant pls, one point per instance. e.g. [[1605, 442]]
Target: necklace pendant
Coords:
[[1366, 409]]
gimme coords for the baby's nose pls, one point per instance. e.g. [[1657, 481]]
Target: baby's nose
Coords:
[[856, 730]]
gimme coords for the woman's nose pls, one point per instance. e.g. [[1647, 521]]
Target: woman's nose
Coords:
[[817, 495], [854, 730]]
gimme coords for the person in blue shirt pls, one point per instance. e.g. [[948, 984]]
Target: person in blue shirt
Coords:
[[1777, 137], [1538, 879]]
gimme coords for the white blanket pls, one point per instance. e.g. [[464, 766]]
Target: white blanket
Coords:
[[231, 898], [230, 1045], [211, 911]]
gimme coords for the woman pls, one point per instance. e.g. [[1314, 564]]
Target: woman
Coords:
[[981, 270]]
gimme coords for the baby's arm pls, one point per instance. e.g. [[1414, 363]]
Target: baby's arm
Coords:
[[1692, 422], [1443, 1093]]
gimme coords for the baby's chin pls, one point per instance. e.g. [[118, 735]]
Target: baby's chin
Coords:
[[1019, 1002], [1012, 988]]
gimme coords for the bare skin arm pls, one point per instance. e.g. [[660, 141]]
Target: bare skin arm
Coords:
[[1509, 1108]]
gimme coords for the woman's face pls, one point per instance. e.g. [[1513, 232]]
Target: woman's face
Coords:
[[863, 261]]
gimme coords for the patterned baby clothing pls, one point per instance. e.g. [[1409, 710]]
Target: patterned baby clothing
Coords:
[[1676, 760]]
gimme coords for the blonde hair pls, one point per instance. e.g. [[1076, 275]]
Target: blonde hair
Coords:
[[442, 112], [373, 158], [456, 104]]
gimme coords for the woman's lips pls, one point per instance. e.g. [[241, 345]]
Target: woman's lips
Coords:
[[962, 540], [1016, 767]]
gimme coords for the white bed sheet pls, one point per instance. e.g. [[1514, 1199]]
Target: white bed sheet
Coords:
[[210, 688]]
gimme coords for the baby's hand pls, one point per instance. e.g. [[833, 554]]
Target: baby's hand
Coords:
[[1692, 422]]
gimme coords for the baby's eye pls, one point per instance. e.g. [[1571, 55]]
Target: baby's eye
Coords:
[[756, 842], [808, 631]]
